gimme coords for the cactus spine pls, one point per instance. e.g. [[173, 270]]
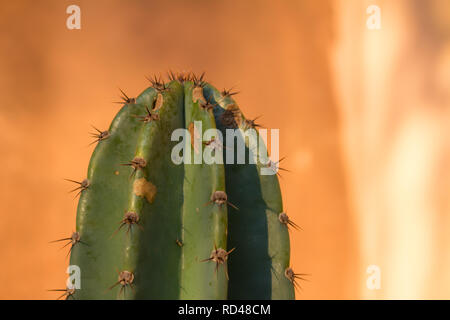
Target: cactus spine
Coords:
[[151, 229]]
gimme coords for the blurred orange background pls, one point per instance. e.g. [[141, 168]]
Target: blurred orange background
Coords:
[[363, 114]]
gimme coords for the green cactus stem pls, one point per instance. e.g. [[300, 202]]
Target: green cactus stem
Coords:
[[150, 228]]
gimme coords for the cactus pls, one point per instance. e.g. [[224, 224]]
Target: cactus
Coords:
[[148, 228]]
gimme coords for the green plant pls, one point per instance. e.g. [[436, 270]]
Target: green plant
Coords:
[[148, 228]]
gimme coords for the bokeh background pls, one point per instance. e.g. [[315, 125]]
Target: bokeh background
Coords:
[[364, 119]]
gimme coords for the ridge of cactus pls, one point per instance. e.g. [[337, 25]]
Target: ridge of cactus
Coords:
[[257, 268]]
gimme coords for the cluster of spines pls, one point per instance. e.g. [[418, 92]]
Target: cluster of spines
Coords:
[[231, 118]]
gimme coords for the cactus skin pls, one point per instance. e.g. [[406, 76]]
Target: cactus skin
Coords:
[[165, 255]]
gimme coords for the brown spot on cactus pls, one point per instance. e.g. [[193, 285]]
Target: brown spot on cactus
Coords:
[[84, 185], [198, 81], [274, 166], [73, 240], [228, 93], [195, 135], [252, 123], [137, 163], [219, 256], [231, 117], [179, 243], [207, 106], [220, 198], [130, 218], [181, 77], [99, 135], [126, 99], [158, 83], [150, 116], [158, 102], [125, 279], [197, 96], [172, 76], [293, 277], [214, 143], [144, 188], [284, 219]]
